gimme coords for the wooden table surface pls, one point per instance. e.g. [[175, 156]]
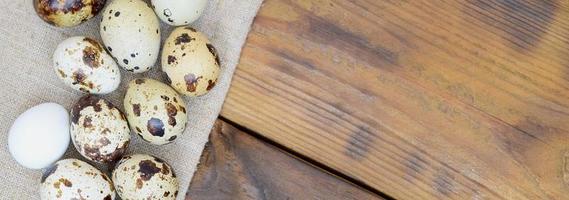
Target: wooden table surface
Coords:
[[236, 165], [442, 99]]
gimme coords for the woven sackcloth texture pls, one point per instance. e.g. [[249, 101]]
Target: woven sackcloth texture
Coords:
[[27, 78]]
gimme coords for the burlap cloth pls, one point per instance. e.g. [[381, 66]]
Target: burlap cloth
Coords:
[[27, 79]]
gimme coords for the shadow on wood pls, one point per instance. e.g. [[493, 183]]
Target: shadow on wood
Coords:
[[235, 165]]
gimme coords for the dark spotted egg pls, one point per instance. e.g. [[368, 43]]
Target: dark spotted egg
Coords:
[[99, 130], [67, 13], [131, 33], [178, 12], [154, 111], [75, 179], [190, 61], [143, 176], [83, 64]]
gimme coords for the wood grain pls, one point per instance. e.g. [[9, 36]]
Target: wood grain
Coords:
[[454, 99], [235, 165]]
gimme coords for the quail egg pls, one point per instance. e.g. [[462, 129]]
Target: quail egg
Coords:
[[82, 64], [190, 61], [131, 34], [99, 130], [143, 176], [75, 179], [67, 13], [178, 12], [154, 111]]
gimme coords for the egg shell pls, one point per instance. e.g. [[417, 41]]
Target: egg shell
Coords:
[[154, 111], [143, 176], [67, 13], [75, 179], [39, 136], [99, 130], [178, 12], [131, 33], [190, 62], [82, 64]]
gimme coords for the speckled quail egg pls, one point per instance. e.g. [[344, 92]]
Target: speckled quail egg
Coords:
[[154, 111], [67, 13], [82, 64], [75, 179], [178, 12], [143, 176], [131, 33], [99, 130], [190, 61]]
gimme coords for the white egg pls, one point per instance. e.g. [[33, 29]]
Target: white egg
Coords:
[[131, 33], [39, 136], [83, 64], [178, 12]]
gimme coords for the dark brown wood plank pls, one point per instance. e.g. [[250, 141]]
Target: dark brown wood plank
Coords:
[[457, 99], [235, 165]]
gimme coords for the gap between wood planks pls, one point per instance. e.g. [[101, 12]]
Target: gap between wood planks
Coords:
[[307, 160]]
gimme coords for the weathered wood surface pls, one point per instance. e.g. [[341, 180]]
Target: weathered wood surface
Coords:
[[235, 165], [461, 99]]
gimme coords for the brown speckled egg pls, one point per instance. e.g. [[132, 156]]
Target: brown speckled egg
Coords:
[[131, 33], [75, 179], [179, 12], [67, 13], [143, 176], [82, 64], [154, 111], [99, 130], [190, 61]]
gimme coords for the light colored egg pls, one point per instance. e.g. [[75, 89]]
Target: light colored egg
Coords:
[[39, 136], [67, 13], [75, 179], [178, 12], [82, 63], [131, 33], [154, 111], [99, 130], [190, 61], [143, 176]]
